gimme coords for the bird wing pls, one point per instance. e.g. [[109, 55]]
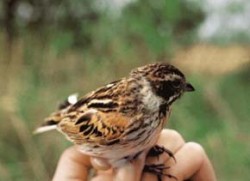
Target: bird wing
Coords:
[[97, 117], [94, 126]]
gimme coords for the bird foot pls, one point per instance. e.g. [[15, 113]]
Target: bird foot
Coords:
[[157, 150], [158, 170]]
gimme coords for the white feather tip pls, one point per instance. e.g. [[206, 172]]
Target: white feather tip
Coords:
[[72, 99], [44, 129]]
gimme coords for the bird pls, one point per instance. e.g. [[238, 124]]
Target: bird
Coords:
[[123, 118]]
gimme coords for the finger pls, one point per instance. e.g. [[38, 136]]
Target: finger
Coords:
[[73, 165], [189, 161], [131, 170], [206, 171], [100, 163], [171, 140], [103, 177]]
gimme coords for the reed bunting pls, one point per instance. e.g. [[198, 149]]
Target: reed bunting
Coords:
[[121, 119]]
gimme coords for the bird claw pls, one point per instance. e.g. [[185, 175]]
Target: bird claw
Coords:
[[157, 150], [158, 170]]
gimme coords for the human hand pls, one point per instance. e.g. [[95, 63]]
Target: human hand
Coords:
[[192, 163]]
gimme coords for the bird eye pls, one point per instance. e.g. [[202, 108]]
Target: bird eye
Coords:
[[176, 84]]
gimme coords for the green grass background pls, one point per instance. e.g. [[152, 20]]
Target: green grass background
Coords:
[[37, 73]]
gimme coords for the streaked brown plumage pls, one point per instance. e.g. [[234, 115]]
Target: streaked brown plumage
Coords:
[[123, 118]]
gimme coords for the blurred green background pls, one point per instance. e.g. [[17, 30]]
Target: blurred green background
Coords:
[[50, 49]]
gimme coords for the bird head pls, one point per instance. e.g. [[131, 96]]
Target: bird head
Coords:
[[166, 81]]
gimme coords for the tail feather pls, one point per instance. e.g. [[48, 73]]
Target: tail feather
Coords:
[[42, 129], [51, 122]]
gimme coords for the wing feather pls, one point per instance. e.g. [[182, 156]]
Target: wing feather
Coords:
[[95, 126]]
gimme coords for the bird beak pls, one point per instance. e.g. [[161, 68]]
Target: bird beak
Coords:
[[188, 87]]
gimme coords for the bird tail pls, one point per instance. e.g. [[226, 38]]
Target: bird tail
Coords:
[[50, 123]]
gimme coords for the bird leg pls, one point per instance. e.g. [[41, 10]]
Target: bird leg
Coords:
[[159, 169], [157, 150]]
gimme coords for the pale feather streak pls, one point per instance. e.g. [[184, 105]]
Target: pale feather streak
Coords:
[[45, 129]]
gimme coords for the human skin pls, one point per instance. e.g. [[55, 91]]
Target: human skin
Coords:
[[192, 163]]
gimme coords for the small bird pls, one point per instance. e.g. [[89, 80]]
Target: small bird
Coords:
[[120, 120]]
